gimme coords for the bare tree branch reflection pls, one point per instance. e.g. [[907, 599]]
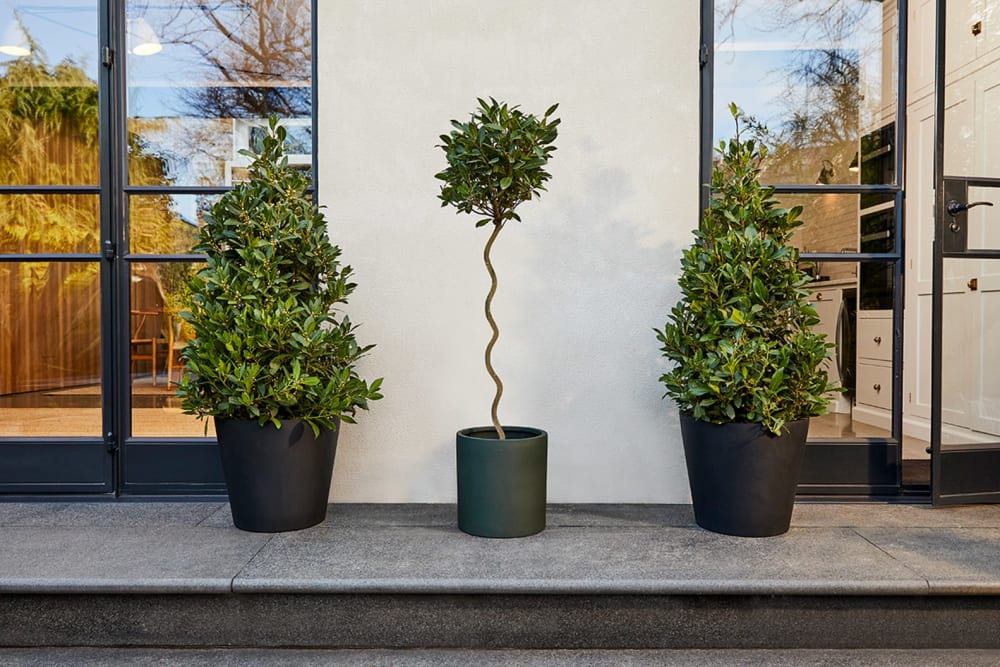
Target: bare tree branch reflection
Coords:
[[255, 56], [824, 100]]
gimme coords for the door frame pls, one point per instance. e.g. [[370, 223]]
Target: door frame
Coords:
[[961, 474], [857, 466], [82, 465], [112, 464]]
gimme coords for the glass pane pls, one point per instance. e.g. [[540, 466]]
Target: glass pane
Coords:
[[200, 86], [820, 75], [166, 224], [50, 349], [829, 223], [970, 389], [861, 361], [984, 221], [157, 336], [48, 93], [31, 224]]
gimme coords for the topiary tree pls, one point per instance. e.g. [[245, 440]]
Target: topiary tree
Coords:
[[269, 343], [496, 162], [741, 336]]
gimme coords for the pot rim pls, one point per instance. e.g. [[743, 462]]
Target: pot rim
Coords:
[[525, 433]]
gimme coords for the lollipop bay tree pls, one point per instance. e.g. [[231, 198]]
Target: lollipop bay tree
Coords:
[[497, 161]]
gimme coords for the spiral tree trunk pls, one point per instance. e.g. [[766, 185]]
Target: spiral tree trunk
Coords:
[[497, 226]]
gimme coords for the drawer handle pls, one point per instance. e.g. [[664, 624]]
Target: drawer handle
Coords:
[[878, 340], [877, 387]]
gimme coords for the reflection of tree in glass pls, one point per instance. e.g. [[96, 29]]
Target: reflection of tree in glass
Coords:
[[49, 136], [259, 52], [821, 121], [824, 105], [840, 19], [50, 331]]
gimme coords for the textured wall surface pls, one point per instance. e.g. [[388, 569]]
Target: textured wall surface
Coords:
[[583, 279]]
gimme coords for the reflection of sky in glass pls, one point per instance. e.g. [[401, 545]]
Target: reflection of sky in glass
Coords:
[[223, 67], [217, 46], [761, 43], [65, 29]]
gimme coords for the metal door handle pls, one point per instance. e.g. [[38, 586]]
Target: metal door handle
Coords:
[[877, 387], [954, 207], [973, 284], [878, 340]]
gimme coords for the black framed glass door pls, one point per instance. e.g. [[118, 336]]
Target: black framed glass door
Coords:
[[824, 78], [53, 220], [127, 120], [965, 429], [199, 81]]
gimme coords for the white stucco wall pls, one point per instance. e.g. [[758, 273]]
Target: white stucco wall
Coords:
[[583, 279]]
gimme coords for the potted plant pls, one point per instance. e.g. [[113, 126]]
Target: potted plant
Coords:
[[748, 370], [271, 359], [496, 162]]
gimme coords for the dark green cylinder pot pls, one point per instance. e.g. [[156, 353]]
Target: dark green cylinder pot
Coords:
[[278, 479], [501, 483]]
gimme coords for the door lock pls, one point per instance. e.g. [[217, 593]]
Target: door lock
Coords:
[[954, 207], [973, 284]]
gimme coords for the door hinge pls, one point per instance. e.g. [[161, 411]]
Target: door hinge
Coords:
[[111, 442], [107, 56], [703, 55], [109, 251]]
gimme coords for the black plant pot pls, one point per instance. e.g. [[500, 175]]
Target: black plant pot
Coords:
[[743, 479], [501, 483], [278, 479]]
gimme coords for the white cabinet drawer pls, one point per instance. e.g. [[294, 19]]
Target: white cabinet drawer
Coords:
[[875, 338], [874, 385]]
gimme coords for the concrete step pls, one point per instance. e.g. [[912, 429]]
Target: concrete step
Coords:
[[89, 657], [402, 577], [541, 621]]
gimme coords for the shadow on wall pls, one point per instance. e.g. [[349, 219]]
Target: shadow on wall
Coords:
[[594, 283]]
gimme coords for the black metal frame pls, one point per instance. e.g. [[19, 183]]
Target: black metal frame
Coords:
[[854, 466], [962, 474], [127, 465]]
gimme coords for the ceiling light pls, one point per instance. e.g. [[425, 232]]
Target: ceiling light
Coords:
[[142, 41]]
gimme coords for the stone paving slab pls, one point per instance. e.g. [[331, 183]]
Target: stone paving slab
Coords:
[[840, 549], [115, 514], [954, 561], [445, 515], [895, 515], [665, 560], [124, 560]]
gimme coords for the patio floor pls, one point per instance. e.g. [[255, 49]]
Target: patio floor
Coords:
[[888, 576]]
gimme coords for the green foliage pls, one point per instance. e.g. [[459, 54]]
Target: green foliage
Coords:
[[269, 344], [496, 161], [741, 335]]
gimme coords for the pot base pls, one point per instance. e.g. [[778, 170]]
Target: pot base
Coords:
[[278, 479], [743, 479]]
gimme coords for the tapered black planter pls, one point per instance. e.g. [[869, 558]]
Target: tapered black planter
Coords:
[[743, 479], [278, 479], [501, 483]]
